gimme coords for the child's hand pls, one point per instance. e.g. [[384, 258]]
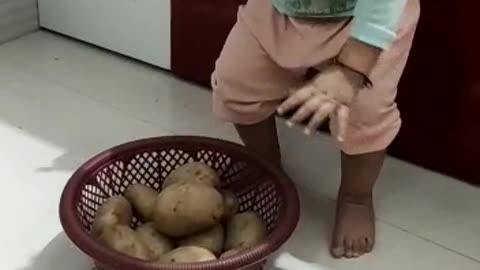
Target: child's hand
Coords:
[[330, 92]]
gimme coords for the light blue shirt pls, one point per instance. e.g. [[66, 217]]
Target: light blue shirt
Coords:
[[375, 22]]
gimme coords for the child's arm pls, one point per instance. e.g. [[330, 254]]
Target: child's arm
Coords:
[[332, 91], [374, 28], [376, 21]]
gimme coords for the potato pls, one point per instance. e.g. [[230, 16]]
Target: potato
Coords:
[[115, 210], [101, 223], [118, 206], [184, 209], [244, 230], [211, 239], [156, 243], [194, 172], [187, 255], [142, 199], [123, 239], [230, 203], [230, 253]]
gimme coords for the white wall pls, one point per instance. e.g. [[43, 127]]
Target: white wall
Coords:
[[139, 29], [17, 17]]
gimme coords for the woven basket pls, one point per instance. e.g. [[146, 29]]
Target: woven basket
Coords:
[[259, 186]]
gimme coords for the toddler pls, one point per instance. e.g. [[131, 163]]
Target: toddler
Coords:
[[359, 49]]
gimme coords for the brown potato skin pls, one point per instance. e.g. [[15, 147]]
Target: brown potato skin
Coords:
[[123, 239], [244, 230], [231, 204], [115, 210], [211, 239], [230, 253], [193, 172], [142, 199], [156, 243], [187, 254], [184, 209]]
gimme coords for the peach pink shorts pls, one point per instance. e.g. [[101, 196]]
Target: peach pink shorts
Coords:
[[267, 54]]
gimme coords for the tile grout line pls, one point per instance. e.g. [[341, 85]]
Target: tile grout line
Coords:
[[133, 116], [102, 102], [137, 118], [99, 102], [420, 237], [430, 241]]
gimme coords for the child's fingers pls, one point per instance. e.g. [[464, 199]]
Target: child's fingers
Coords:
[[307, 109], [292, 91], [342, 117], [319, 117], [295, 100]]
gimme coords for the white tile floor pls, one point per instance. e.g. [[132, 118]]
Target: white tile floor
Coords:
[[62, 101]]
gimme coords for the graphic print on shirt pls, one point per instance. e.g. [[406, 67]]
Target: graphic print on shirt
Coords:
[[316, 8]]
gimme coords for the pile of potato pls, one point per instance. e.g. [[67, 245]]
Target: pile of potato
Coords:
[[190, 220]]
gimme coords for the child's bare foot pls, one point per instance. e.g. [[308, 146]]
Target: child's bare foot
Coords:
[[354, 233]]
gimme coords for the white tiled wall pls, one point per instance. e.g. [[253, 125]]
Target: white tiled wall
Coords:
[[17, 17]]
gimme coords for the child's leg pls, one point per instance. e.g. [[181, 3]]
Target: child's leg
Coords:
[[374, 122], [262, 138], [249, 83], [354, 232]]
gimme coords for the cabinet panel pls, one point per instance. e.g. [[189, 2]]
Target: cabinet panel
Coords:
[[439, 95], [17, 17], [139, 29], [199, 30]]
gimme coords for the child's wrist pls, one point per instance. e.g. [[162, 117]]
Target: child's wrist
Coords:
[[359, 56], [356, 78]]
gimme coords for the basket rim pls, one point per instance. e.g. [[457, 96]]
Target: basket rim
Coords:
[[73, 227]]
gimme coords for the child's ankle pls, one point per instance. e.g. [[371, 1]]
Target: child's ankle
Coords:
[[355, 196]]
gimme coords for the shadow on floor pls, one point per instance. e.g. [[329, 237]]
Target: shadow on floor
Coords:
[[60, 254]]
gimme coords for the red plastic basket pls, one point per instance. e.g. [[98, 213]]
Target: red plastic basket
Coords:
[[260, 186]]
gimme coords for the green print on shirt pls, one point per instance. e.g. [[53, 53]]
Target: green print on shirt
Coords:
[[294, 4], [315, 8], [307, 3]]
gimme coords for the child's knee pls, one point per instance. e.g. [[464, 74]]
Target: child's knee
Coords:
[[240, 112], [370, 130]]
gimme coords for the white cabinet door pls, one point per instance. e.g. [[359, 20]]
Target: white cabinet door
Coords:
[[137, 28]]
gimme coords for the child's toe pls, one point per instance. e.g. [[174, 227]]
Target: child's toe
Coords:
[[349, 253], [338, 249]]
